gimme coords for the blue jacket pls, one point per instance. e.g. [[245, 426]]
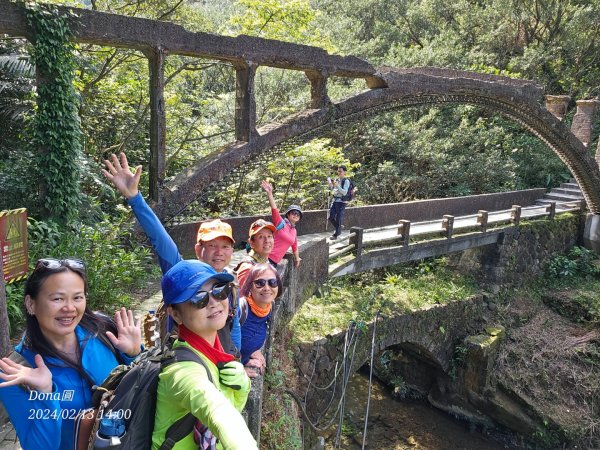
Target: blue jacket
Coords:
[[48, 423], [254, 333], [166, 250]]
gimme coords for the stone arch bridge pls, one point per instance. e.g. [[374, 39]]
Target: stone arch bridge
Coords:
[[388, 89]]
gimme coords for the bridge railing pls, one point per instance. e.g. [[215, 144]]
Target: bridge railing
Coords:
[[405, 233]]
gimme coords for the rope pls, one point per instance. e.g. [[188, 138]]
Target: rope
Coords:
[[370, 380], [352, 341]]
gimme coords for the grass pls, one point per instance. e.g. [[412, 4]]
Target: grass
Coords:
[[552, 355], [280, 426], [395, 290]]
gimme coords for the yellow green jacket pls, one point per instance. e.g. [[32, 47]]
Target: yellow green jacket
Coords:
[[184, 387]]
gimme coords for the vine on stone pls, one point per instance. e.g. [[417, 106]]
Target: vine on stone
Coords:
[[56, 126]]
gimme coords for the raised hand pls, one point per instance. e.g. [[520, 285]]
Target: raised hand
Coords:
[[120, 175], [129, 333], [38, 378], [266, 186], [269, 190]]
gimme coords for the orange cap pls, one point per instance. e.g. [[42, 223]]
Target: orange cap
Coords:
[[213, 229], [260, 224]]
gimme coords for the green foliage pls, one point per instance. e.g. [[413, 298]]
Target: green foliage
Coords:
[[579, 261], [279, 426], [457, 361], [299, 175], [57, 133], [285, 20]]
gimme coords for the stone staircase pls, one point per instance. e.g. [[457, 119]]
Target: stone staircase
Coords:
[[566, 194]]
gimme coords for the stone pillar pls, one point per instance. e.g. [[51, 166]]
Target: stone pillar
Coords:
[[158, 122], [591, 232], [318, 89], [584, 120], [245, 102], [557, 105]]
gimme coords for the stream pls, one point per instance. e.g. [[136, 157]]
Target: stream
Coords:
[[403, 424]]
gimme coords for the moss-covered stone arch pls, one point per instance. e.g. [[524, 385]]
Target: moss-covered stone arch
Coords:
[[518, 100]]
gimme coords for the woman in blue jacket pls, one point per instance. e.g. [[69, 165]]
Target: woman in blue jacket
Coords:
[[68, 349], [261, 288]]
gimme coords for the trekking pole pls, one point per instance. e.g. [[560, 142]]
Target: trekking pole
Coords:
[[328, 208]]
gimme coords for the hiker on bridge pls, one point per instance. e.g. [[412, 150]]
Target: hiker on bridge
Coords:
[[285, 235], [65, 350], [214, 240], [260, 289], [339, 186], [214, 392]]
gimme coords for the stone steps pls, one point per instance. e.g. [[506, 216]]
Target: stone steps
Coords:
[[566, 193]]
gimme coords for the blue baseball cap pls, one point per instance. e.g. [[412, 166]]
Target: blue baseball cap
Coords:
[[183, 280]]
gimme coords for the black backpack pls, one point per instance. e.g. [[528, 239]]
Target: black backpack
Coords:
[[133, 398], [350, 192]]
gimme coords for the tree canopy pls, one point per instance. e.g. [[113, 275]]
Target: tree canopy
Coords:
[[408, 154]]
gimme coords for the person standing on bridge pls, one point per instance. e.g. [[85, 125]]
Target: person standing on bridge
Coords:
[[285, 235], [339, 187], [214, 240]]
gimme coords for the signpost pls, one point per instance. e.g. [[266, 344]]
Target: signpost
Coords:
[[14, 261]]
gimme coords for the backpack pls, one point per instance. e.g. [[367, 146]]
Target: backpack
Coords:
[[129, 393], [350, 192]]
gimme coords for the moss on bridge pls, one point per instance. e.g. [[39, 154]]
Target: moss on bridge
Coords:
[[395, 290]]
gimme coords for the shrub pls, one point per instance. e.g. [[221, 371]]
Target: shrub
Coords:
[[579, 261]]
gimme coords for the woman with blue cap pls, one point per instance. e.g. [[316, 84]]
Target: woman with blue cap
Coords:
[[285, 235], [195, 295]]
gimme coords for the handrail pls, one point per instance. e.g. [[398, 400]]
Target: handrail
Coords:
[[449, 226]]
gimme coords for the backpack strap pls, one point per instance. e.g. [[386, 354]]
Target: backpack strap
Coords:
[[185, 425], [281, 224], [178, 431]]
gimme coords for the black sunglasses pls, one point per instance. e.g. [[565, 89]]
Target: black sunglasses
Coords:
[[261, 282], [52, 264], [219, 291]]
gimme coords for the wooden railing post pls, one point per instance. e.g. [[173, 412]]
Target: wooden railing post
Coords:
[[357, 240], [448, 225], [551, 210], [515, 215], [404, 232], [482, 219]]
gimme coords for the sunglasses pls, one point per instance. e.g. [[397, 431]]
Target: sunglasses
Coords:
[[261, 282], [220, 291], [52, 264]]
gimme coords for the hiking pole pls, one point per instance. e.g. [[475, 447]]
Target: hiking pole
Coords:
[[328, 208]]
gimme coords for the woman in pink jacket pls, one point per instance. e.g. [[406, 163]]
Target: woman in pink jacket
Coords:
[[285, 234]]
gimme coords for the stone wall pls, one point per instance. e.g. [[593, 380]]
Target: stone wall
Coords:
[[428, 338], [522, 252]]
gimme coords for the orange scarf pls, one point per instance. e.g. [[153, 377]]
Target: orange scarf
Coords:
[[257, 310]]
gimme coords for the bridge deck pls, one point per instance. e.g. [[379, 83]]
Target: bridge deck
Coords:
[[466, 234]]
